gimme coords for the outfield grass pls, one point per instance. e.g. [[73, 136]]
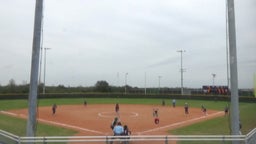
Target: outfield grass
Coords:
[[17, 126], [219, 125]]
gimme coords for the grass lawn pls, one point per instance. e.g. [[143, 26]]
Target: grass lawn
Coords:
[[221, 125], [17, 126]]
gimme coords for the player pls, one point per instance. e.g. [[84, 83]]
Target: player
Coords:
[[155, 115], [203, 109], [54, 107], [114, 123], [186, 108], [155, 112], [163, 102], [127, 132], [156, 120], [174, 103], [117, 108], [85, 103], [118, 130], [226, 110]]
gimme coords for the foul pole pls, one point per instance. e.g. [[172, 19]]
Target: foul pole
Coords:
[[32, 99]]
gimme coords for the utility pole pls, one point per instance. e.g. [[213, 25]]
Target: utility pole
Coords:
[[145, 83], [234, 111], [213, 76], [159, 83], [117, 79], [125, 87], [32, 98]]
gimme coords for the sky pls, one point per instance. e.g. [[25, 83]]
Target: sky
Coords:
[[136, 40]]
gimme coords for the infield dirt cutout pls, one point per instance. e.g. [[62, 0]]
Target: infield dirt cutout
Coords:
[[95, 119]]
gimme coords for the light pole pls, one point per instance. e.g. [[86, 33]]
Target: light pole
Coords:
[[159, 81], [45, 67], [213, 76], [40, 64], [125, 83], [145, 83], [227, 46], [181, 70], [117, 84]]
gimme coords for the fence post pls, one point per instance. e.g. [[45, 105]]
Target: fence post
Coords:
[[44, 140], [166, 139], [223, 139], [106, 139]]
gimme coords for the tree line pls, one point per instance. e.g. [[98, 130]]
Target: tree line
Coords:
[[102, 86]]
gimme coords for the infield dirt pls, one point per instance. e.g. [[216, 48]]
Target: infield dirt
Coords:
[[96, 119]]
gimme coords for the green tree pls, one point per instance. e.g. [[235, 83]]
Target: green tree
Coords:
[[102, 86], [12, 86]]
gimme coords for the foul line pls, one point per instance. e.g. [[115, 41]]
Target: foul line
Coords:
[[52, 122], [179, 123]]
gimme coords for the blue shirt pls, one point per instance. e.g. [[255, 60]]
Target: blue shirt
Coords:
[[118, 130]]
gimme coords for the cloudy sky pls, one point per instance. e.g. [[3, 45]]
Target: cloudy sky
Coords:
[[93, 40]]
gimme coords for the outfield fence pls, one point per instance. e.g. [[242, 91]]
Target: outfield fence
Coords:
[[250, 138]]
